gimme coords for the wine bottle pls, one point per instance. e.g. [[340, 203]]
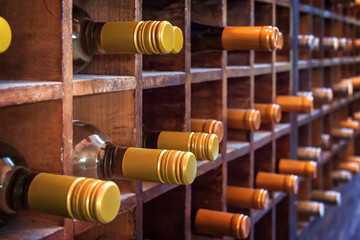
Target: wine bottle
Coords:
[[311, 208], [218, 223], [300, 168], [309, 153], [330, 43], [356, 116], [148, 37], [327, 197], [5, 33], [354, 159], [301, 104], [95, 156], [343, 89], [325, 141], [349, 166], [72, 197], [349, 123], [355, 81], [277, 182], [247, 119], [309, 41], [205, 37], [356, 43], [341, 176], [270, 113], [210, 126], [241, 197], [320, 95], [204, 146], [345, 44], [281, 41], [342, 133]]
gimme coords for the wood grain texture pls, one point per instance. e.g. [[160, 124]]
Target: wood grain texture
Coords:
[[35, 51]]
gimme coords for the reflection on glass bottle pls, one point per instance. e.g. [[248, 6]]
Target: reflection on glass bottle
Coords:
[[95, 156]]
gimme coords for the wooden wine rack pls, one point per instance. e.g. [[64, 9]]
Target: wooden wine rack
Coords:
[[40, 96]]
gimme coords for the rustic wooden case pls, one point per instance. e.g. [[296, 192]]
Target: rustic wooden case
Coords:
[[40, 96]]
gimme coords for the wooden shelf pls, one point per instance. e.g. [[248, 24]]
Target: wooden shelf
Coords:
[[21, 92], [121, 93], [95, 84]]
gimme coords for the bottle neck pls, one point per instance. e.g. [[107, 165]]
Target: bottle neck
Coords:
[[150, 138], [91, 37], [17, 189], [110, 165]]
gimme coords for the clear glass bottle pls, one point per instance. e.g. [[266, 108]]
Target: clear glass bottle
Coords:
[[95, 156], [73, 197], [148, 37]]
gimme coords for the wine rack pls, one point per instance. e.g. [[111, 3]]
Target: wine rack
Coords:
[[40, 96]]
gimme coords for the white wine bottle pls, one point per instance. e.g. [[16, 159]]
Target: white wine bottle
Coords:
[[80, 198], [95, 156], [148, 37]]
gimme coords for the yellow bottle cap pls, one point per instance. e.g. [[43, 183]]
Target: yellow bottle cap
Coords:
[[253, 119], [80, 198], [147, 37], [166, 166], [275, 113], [5, 32], [165, 37], [179, 40], [240, 226], [204, 146]]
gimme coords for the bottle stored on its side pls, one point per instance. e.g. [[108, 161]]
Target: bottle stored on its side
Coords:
[[270, 113], [300, 168], [341, 176], [5, 35], [80, 198], [309, 153], [241, 197], [342, 133], [95, 156], [330, 43], [210, 126], [301, 104], [328, 197], [203, 145], [247, 119], [205, 37], [343, 89], [325, 141], [148, 37], [311, 208], [320, 95], [356, 116], [345, 44], [309, 41], [349, 166], [354, 159], [218, 223], [349, 123], [277, 182]]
